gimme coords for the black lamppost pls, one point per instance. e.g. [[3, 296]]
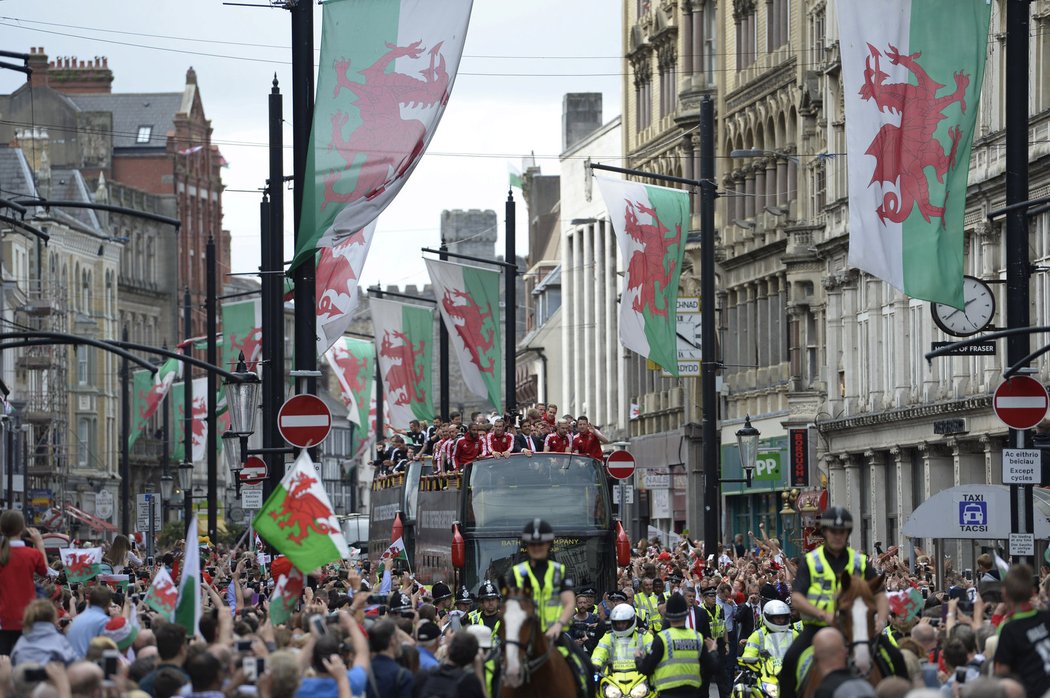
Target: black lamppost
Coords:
[[747, 448], [167, 487], [242, 401], [186, 483]]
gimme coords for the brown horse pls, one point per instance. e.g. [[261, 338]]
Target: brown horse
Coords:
[[855, 610], [531, 665]]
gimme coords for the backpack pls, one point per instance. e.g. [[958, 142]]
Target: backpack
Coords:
[[443, 682]]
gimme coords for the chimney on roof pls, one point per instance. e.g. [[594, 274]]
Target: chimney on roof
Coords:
[[581, 116], [38, 64], [191, 76], [73, 76]]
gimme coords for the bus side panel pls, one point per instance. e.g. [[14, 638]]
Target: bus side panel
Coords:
[[433, 559], [385, 504]]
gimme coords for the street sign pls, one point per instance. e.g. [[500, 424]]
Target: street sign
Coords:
[[620, 464], [254, 471], [252, 497], [656, 481], [104, 505], [1022, 466], [142, 512], [1022, 545], [1020, 402], [986, 348], [628, 491], [304, 420]]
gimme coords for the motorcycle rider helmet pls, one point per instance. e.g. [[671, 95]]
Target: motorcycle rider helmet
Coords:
[[837, 519], [776, 616], [537, 531], [622, 619]]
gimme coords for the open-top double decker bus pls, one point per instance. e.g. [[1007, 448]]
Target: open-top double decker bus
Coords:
[[489, 503]]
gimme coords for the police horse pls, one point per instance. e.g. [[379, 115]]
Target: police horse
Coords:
[[531, 665]]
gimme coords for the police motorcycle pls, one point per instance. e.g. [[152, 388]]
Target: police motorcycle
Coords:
[[757, 677], [620, 679]]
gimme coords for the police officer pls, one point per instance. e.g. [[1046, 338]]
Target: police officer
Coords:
[[816, 587], [623, 644], [774, 637], [679, 658], [489, 614], [714, 614], [552, 588], [442, 598], [646, 598]]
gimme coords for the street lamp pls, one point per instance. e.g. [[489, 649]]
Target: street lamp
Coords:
[[186, 483], [167, 484], [242, 399], [747, 447]]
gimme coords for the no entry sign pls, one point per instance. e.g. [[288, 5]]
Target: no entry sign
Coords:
[[254, 471], [1021, 402], [620, 465], [304, 420]]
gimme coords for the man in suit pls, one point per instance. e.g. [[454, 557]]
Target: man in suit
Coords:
[[526, 441], [746, 613]]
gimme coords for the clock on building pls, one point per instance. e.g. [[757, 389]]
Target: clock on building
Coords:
[[976, 314]]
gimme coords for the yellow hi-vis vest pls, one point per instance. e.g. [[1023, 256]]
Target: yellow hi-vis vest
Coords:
[[823, 584], [680, 664], [648, 602], [477, 617], [718, 621], [620, 652], [545, 595]]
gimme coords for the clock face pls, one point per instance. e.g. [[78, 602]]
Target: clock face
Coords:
[[976, 314]]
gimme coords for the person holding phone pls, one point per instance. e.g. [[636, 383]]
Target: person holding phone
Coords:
[[19, 563]]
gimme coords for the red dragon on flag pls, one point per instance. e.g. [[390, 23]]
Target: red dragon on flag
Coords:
[[79, 565], [904, 152], [351, 367], [474, 326], [647, 268], [163, 594], [334, 274], [301, 508], [250, 346], [405, 378]]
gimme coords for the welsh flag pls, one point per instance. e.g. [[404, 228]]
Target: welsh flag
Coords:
[[188, 605], [81, 564], [298, 519], [651, 225], [912, 73], [162, 594], [385, 75], [200, 419], [396, 551], [353, 363], [286, 593], [404, 340], [469, 301], [148, 391], [241, 332], [338, 271]]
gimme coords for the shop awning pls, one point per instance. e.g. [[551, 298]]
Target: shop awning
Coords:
[[92, 521]]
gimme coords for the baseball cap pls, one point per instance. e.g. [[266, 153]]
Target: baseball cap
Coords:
[[427, 631]]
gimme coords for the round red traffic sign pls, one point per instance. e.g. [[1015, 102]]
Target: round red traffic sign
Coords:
[[254, 471], [304, 420], [1021, 402], [620, 464]]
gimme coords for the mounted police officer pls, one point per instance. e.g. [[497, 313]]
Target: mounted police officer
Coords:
[[816, 587], [679, 659], [489, 613]]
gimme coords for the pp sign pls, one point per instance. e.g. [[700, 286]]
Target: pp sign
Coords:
[[767, 466]]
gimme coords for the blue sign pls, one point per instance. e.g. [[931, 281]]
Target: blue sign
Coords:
[[973, 513]]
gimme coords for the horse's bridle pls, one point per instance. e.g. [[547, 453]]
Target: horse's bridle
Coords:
[[528, 667]]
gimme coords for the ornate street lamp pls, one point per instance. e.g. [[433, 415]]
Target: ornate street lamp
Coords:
[[186, 484], [747, 445], [242, 399], [167, 484]]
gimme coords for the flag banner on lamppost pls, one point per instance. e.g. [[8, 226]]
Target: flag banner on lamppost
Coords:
[[911, 74], [468, 298], [200, 419], [148, 390], [385, 74], [353, 363], [404, 346], [651, 224], [241, 332], [338, 271]]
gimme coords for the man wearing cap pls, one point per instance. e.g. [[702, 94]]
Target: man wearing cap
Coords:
[[428, 637], [488, 615], [817, 585], [679, 659], [442, 598], [585, 623]]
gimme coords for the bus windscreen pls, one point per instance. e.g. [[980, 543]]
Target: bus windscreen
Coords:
[[569, 492]]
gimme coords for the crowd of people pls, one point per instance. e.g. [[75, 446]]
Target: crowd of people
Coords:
[[688, 623], [451, 445]]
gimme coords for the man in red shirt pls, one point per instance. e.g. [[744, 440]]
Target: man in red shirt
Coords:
[[467, 449], [558, 442], [18, 564], [551, 416], [498, 443], [588, 439]]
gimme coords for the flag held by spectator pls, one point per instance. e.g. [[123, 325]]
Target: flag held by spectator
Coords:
[[81, 564], [162, 594], [911, 73], [396, 551], [298, 519], [188, 605], [286, 593]]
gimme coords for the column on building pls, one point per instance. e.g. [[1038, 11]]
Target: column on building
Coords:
[[876, 506], [587, 272], [900, 465], [597, 408], [578, 315], [614, 388], [759, 171], [749, 193], [762, 336], [782, 182], [835, 465], [854, 494], [771, 183], [568, 309]]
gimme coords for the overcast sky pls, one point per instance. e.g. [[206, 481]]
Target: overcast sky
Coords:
[[519, 60]]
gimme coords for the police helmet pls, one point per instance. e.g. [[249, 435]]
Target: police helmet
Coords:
[[776, 616], [488, 590], [676, 607], [440, 591], [400, 603], [837, 519], [622, 620], [464, 596], [537, 531]]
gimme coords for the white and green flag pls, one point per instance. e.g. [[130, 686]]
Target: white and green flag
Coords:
[[338, 272], [353, 363], [299, 521], [469, 301], [241, 333], [200, 420], [404, 343], [188, 605], [148, 391], [651, 225], [911, 73], [384, 77]]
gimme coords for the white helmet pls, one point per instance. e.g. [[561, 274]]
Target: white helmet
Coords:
[[622, 619], [777, 616]]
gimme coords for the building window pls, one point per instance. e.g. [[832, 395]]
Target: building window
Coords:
[[144, 134], [85, 432], [776, 24], [817, 189], [83, 365], [746, 23], [816, 37]]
